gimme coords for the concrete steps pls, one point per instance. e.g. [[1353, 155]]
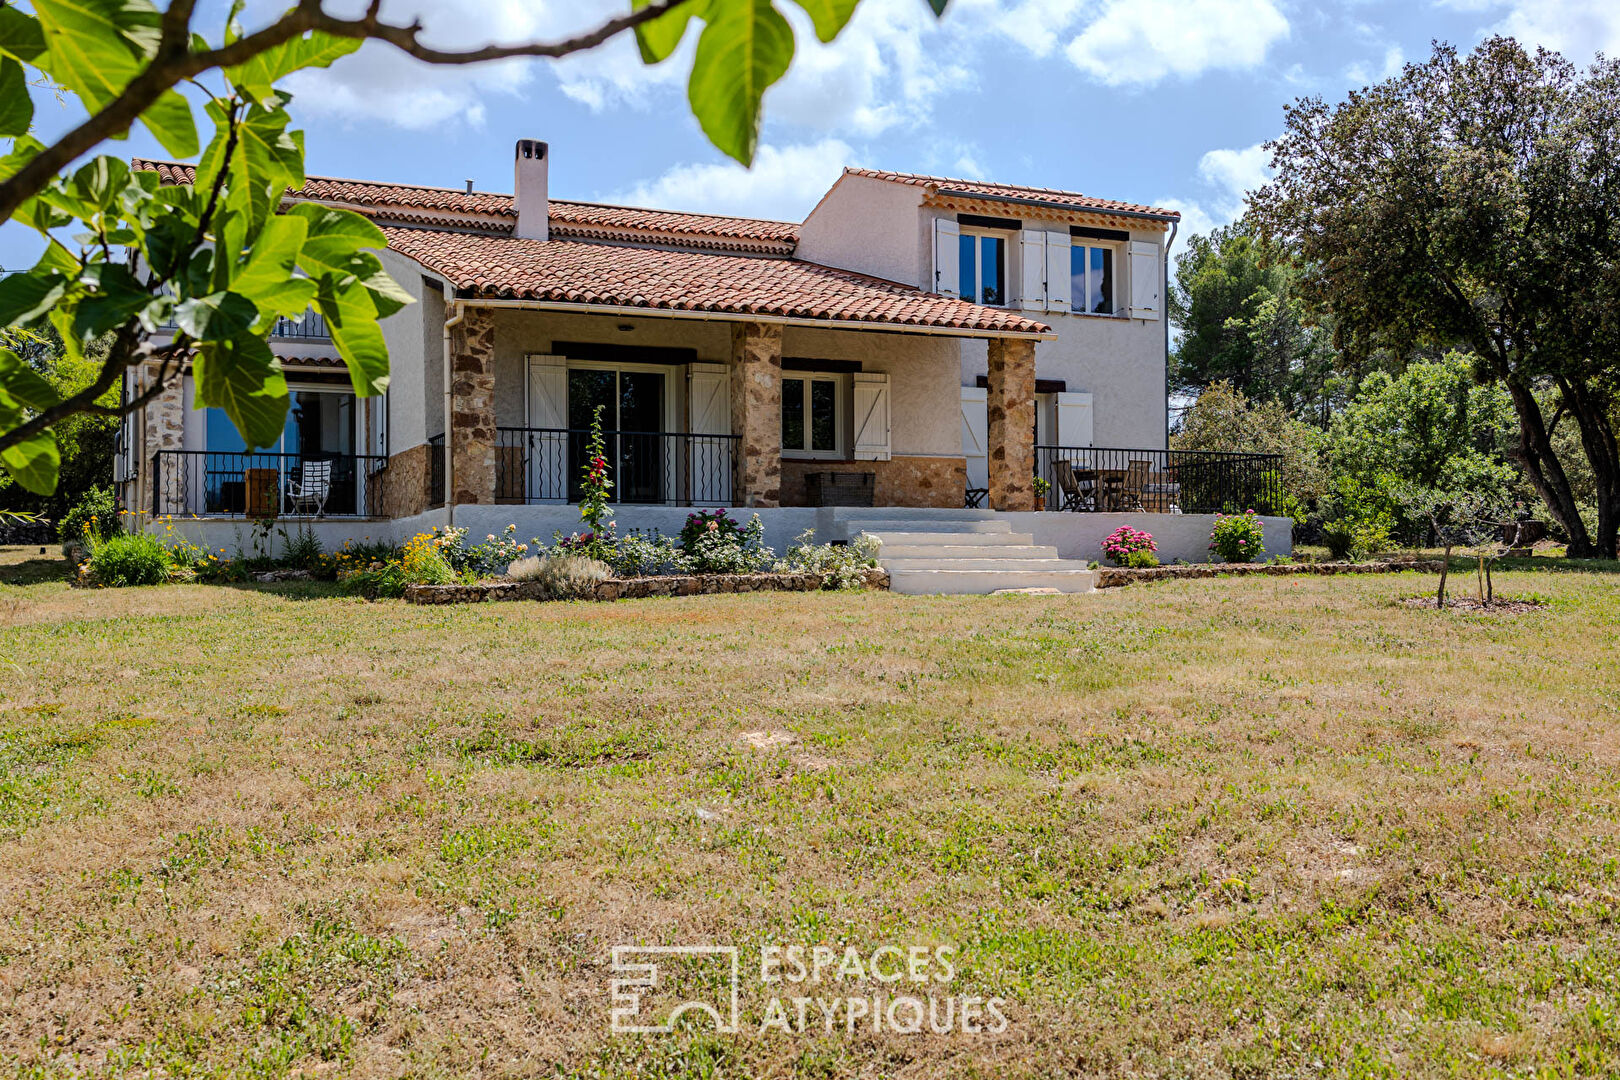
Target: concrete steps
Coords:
[[960, 552]]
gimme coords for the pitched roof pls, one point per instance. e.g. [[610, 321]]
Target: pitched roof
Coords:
[[1072, 200], [575, 272], [419, 205]]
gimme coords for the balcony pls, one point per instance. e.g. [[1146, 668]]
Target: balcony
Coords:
[[1100, 479], [311, 324], [656, 468], [251, 485]]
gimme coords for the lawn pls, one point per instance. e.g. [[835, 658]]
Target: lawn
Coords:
[[1258, 827]]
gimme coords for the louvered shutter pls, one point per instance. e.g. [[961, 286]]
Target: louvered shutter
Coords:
[[871, 399], [545, 444], [975, 435], [1145, 283], [1057, 272], [708, 401], [1032, 246], [947, 257]]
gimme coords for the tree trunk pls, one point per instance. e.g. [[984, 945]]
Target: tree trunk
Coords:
[[1445, 568], [1479, 578], [1591, 412], [1490, 588], [1545, 472]]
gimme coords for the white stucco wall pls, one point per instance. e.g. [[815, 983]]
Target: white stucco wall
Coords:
[[924, 400], [869, 226], [415, 339]]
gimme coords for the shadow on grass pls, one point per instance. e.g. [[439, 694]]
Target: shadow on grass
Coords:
[[35, 571]]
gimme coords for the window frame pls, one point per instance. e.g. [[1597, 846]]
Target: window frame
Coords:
[[1114, 251], [839, 383], [358, 433], [1008, 238]]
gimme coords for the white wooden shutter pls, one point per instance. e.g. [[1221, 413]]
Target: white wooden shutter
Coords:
[[708, 412], [1057, 272], [1145, 283], [871, 394], [947, 257], [1073, 419], [975, 436], [1032, 247], [547, 450]]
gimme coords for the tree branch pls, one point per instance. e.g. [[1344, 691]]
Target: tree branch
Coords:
[[174, 63]]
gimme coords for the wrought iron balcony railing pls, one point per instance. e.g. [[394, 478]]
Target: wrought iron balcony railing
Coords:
[[545, 465], [1106, 478], [225, 484]]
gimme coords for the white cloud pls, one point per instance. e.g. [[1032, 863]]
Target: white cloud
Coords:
[[1229, 175], [1576, 28], [1141, 42], [1358, 74], [784, 183], [380, 83], [1195, 220], [1236, 172]]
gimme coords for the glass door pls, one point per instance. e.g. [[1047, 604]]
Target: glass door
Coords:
[[632, 403]]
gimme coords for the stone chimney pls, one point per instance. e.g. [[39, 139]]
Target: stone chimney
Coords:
[[533, 204]]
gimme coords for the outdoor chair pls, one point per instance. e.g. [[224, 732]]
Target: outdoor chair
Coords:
[[311, 488], [1078, 493], [1136, 476], [1161, 494]]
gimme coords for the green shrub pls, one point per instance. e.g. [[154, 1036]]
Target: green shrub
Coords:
[[129, 559], [374, 580], [1353, 540], [424, 562], [303, 550], [1141, 560], [843, 565], [97, 510], [1237, 538]]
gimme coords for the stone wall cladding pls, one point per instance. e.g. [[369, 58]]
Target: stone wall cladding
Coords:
[[165, 430], [472, 417], [756, 412], [1109, 577], [1010, 423], [635, 588], [405, 483], [901, 481]]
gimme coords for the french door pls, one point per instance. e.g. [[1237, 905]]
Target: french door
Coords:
[[634, 405]]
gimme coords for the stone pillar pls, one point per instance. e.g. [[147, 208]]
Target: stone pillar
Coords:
[[756, 412], [165, 430], [472, 407], [1010, 415]]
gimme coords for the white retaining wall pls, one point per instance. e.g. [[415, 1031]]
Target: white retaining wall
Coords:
[[1076, 536]]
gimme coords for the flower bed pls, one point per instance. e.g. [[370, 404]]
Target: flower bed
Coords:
[[636, 587]]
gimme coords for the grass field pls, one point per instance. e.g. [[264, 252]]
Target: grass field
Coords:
[[1260, 827]]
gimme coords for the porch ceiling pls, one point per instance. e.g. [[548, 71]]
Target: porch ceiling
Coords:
[[568, 272]]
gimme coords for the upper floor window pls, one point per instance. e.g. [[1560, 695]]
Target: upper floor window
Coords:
[[983, 268], [1091, 279], [811, 416]]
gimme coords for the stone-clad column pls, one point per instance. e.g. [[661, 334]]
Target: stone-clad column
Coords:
[[472, 407], [165, 430], [1010, 415], [756, 412]]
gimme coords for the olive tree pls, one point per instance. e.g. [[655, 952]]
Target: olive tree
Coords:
[[220, 259], [1474, 201]]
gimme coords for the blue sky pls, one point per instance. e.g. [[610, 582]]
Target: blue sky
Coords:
[[1159, 101]]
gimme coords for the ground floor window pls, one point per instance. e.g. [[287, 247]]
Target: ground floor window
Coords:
[[812, 415]]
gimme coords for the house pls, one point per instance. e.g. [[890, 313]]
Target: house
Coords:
[[929, 344]]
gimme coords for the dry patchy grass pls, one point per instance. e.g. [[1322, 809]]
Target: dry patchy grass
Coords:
[[1224, 828]]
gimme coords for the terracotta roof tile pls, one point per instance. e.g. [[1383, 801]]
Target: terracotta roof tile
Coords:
[[574, 272], [978, 188], [407, 202]]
